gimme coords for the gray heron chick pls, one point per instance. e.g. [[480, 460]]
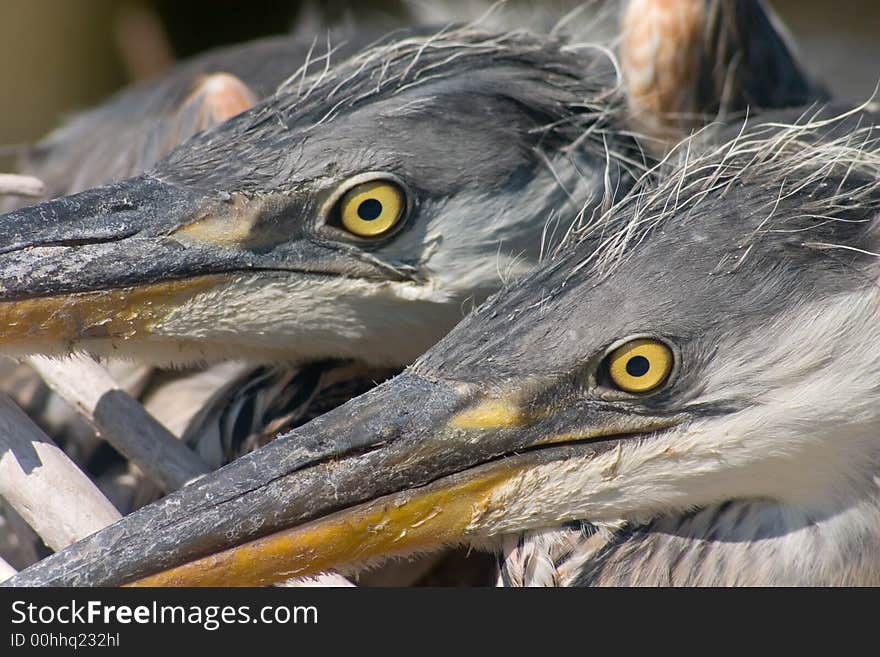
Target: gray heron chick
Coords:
[[461, 135], [260, 240], [688, 394], [350, 214], [236, 245]]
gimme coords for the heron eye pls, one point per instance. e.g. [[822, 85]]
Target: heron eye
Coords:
[[640, 365], [372, 209]]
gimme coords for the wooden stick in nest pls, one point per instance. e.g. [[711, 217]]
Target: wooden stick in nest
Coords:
[[15, 185], [44, 486], [6, 571], [122, 421]]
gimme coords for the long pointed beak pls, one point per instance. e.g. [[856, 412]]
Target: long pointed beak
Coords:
[[103, 218], [104, 263], [116, 262], [410, 466]]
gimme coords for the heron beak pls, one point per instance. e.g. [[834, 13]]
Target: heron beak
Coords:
[[99, 264], [114, 262], [411, 466]]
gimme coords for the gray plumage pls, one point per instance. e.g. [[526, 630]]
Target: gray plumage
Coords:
[[754, 462], [560, 151], [515, 153], [134, 131], [775, 220]]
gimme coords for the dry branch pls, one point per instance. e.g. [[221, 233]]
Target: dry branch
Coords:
[[6, 571], [122, 421], [44, 486], [15, 185]]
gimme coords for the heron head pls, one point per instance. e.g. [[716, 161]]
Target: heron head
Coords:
[[355, 212], [360, 210], [711, 339]]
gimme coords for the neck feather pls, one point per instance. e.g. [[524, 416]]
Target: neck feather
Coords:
[[748, 543]]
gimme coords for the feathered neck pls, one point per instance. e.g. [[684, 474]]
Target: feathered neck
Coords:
[[748, 543]]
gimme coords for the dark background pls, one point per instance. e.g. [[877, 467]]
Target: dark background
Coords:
[[57, 56]]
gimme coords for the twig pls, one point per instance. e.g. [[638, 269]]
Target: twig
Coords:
[[122, 421], [6, 571], [125, 424], [44, 486], [16, 185]]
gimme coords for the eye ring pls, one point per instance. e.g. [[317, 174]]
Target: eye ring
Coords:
[[640, 365], [369, 206]]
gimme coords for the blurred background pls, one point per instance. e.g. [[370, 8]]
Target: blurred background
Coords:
[[57, 57]]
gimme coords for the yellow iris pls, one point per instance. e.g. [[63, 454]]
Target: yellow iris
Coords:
[[372, 208], [640, 365]]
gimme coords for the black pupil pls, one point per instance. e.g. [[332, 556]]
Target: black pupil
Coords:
[[637, 366], [370, 209]]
